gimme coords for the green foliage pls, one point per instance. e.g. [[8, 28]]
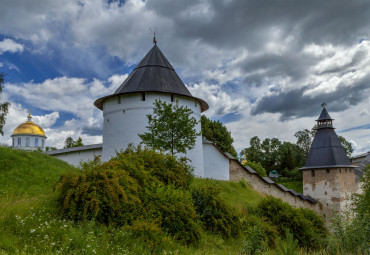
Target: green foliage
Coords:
[[174, 211], [255, 243], [214, 213], [136, 183], [106, 194], [3, 106], [171, 128], [218, 134], [304, 140], [307, 227], [347, 146], [149, 234], [256, 166], [272, 154], [69, 142], [289, 247], [352, 230], [259, 235]]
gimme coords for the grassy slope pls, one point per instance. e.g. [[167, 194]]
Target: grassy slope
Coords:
[[30, 222]]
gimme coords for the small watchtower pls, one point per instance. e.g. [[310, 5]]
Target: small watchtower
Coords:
[[328, 174]]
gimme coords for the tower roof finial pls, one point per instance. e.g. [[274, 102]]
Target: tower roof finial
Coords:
[[154, 32], [29, 114], [323, 105]]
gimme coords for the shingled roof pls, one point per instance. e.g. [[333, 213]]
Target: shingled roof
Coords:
[[154, 73], [326, 150]]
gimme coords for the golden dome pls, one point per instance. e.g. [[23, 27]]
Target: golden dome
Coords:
[[29, 128]]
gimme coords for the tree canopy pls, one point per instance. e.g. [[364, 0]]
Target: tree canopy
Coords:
[[3, 106], [69, 142], [218, 134], [170, 128]]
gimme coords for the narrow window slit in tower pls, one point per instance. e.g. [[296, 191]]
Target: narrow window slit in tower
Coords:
[[313, 173], [172, 98], [124, 111], [327, 170], [142, 96]]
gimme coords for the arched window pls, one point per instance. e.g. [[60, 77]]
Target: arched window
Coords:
[[19, 142], [36, 142], [13, 142], [27, 142], [42, 143]]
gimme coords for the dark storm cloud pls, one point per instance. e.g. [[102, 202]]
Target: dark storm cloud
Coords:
[[294, 103], [291, 25]]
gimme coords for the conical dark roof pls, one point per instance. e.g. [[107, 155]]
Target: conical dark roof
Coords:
[[326, 150], [154, 73], [324, 115]]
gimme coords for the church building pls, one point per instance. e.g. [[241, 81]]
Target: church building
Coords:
[[28, 135]]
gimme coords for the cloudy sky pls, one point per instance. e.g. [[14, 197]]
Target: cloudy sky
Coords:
[[264, 67]]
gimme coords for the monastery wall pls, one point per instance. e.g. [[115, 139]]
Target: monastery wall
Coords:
[[266, 186]]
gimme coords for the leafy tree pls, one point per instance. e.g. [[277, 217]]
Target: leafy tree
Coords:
[[69, 142], [304, 139], [256, 166], [49, 148], [3, 106], [78, 143], [218, 134], [347, 146], [170, 128]]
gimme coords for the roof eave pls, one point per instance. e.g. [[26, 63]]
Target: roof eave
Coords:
[[99, 102], [329, 166]]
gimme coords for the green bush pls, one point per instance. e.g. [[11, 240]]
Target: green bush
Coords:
[[255, 242], [135, 183], [150, 235], [174, 211], [214, 213], [256, 166], [255, 223], [307, 227], [107, 196]]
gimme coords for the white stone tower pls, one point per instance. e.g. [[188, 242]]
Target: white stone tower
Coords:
[[125, 112], [28, 136], [328, 175]]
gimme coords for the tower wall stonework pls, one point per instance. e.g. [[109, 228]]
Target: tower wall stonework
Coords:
[[331, 187]]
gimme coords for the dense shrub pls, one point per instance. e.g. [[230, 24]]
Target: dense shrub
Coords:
[[174, 211], [135, 183], [307, 227], [214, 213], [108, 196], [149, 234]]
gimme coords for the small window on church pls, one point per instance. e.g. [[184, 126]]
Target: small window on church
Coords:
[[42, 143], [36, 142], [19, 142], [313, 173], [142, 96], [172, 98], [13, 142], [327, 171], [27, 142], [124, 111], [195, 103]]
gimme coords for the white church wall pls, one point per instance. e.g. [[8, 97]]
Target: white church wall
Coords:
[[126, 117], [28, 142], [75, 155], [216, 165]]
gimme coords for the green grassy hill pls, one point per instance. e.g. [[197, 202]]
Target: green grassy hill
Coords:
[[30, 222]]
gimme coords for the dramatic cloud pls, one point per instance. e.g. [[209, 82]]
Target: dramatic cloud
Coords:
[[270, 63]]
